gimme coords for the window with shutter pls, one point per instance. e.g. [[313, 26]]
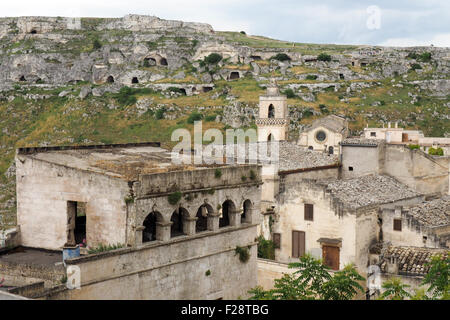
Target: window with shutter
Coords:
[[277, 240], [309, 212], [397, 224], [298, 244]]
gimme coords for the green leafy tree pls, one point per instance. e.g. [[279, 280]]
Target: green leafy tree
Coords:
[[437, 277], [394, 289], [343, 285], [312, 280]]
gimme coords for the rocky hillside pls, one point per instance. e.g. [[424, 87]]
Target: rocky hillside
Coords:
[[72, 81]]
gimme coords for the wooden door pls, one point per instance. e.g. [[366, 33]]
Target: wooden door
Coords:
[[298, 244], [330, 256]]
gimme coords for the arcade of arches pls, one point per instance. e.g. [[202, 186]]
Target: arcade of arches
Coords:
[[206, 219]]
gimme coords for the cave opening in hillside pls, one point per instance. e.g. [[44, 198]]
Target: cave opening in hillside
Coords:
[[234, 75], [33, 31], [183, 91], [110, 79], [163, 62], [256, 57], [134, 80], [22, 78], [341, 76], [207, 89], [149, 62]]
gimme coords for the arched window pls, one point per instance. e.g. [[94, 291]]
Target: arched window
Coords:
[[149, 232], [227, 207], [202, 218], [330, 150], [270, 138], [176, 229], [310, 148], [246, 213], [271, 111]]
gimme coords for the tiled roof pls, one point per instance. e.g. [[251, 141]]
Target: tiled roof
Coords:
[[331, 122], [293, 156], [367, 190], [411, 260], [432, 213]]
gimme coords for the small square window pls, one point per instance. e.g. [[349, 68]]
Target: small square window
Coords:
[[397, 224], [309, 212], [350, 168], [373, 134]]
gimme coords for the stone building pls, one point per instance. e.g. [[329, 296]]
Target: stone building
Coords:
[[426, 224], [336, 220], [178, 225], [325, 134], [398, 135], [422, 172]]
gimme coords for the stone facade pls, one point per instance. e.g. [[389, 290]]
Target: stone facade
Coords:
[[325, 134], [121, 187]]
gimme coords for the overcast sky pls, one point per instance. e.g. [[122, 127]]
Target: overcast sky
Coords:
[[386, 22]]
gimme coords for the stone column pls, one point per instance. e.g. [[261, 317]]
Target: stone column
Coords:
[[235, 218], [189, 225], [213, 221], [138, 237], [253, 216], [163, 230]]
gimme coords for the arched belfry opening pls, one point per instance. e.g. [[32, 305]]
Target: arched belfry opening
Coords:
[[201, 224], [271, 113], [228, 207], [245, 217], [110, 79], [177, 219], [149, 232]]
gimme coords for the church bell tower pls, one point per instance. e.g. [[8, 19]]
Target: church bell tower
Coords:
[[273, 121]]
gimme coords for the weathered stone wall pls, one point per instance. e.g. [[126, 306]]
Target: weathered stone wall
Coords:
[[173, 270], [412, 232], [326, 224], [422, 172], [269, 270], [43, 190], [358, 161]]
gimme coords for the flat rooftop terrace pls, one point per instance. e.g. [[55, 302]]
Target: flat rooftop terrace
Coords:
[[125, 161], [29, 256]]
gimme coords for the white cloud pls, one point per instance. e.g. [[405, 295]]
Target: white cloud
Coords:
[[439, 40]]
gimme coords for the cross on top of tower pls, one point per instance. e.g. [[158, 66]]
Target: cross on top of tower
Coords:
[[272, 88]]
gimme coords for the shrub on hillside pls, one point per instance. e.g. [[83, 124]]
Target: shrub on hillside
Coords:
[[281, 57], [290, 93], [213, 58], [324, 57]]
